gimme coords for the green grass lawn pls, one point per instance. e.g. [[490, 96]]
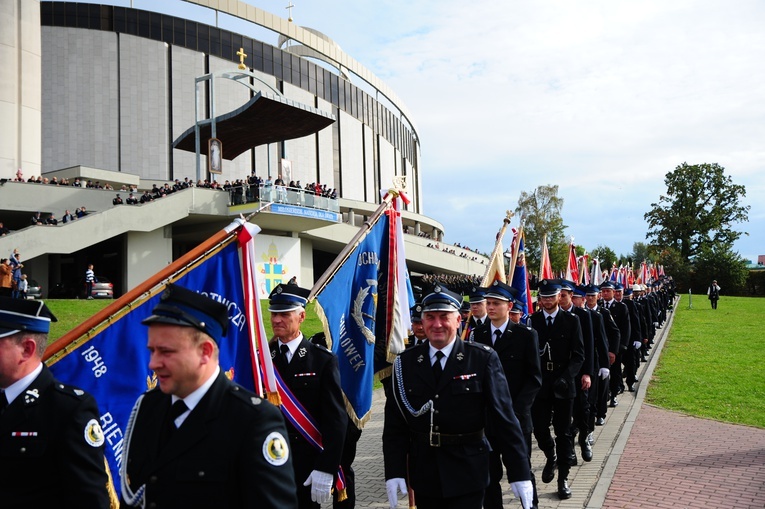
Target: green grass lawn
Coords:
[[712, 363]]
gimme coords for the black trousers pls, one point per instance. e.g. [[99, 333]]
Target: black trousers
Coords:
[[558, 412], [352, 436], [616, 375], [601, 397], [631, 363], [472, 500], [493, 496]]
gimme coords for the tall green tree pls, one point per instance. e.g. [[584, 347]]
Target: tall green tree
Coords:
[[640, 252], [605, 255], [699, 210], [723, 264], [540, 212]]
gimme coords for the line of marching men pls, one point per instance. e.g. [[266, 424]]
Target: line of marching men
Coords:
[[566, 365], [456, 413]]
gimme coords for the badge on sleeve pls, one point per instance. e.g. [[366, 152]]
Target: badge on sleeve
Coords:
[[275, 449], [93, 434]]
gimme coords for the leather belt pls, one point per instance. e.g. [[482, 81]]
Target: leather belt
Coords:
[[552, 366], [436, 439]]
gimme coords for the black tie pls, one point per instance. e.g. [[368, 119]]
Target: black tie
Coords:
[[478, 323], [176, 409], [437, 368], [3, 402], [497, 335], [549, 322], [284, 349]]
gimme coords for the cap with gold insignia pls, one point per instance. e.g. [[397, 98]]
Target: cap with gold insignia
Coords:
[[187, 308], [285, 298], [18, 315]]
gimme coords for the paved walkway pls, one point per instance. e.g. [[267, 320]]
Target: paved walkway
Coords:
[[643, 457]]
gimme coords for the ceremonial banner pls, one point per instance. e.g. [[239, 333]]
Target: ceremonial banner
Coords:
[[545, 269], [110, 359], [572, 270], [347, 307], [521, 283]]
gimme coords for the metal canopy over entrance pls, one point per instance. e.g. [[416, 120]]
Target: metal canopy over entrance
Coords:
[[266, 118]]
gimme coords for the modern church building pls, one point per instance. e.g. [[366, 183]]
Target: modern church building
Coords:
[[127, 97]]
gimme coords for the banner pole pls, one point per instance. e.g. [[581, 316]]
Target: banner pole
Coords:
[[219, 239]]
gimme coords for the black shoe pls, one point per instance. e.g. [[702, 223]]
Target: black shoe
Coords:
[[613, 403], [586, 450], [643, 359], [600, 421], [631, 387], [548, 472], [621, 389], [564, 491]]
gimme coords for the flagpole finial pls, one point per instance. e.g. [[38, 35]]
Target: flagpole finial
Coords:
[[571, 239], [399, 184], [508, 216]]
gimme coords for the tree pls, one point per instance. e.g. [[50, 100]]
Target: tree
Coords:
[[723, 264], [540, 214], [698, 211], [605, 256], [640, 252]]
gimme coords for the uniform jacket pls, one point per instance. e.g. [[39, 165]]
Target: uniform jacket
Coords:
[[561, 353], [54, 465], [585, 322], [518, 351], [472, 392], [622, 318], [636, 329], [600, 341], [216, 458], [313, 378], [613, 335]]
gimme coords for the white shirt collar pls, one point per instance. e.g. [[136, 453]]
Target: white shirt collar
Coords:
[[292, 345], [193, 399], [447, 350], [551, 314], [502, 328], [20, 385]]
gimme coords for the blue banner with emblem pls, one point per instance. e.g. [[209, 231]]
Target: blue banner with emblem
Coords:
[[113, 364], [347, 307], [520, 283]]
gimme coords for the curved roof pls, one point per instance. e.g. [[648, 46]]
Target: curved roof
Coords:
[[265, 118], [307, 37]]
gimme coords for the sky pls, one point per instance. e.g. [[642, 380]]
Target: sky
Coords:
[[602, 98]]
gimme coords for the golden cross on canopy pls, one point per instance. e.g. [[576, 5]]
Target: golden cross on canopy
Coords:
[[289, 8], [242, 55]]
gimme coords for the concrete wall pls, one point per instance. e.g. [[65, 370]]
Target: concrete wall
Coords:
[[147, 253], [80, 105], [20, 90]]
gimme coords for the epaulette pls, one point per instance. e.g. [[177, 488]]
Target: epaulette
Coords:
[[244, 395], [478, 345], [69, 390], [323, 348]]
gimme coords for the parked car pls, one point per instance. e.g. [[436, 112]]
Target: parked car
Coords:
[[102, 289], [34, 289]]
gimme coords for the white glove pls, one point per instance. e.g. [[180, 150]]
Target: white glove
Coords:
[[393, 486], [321, 486], [603, 373], [524, 492], [637, 345]]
